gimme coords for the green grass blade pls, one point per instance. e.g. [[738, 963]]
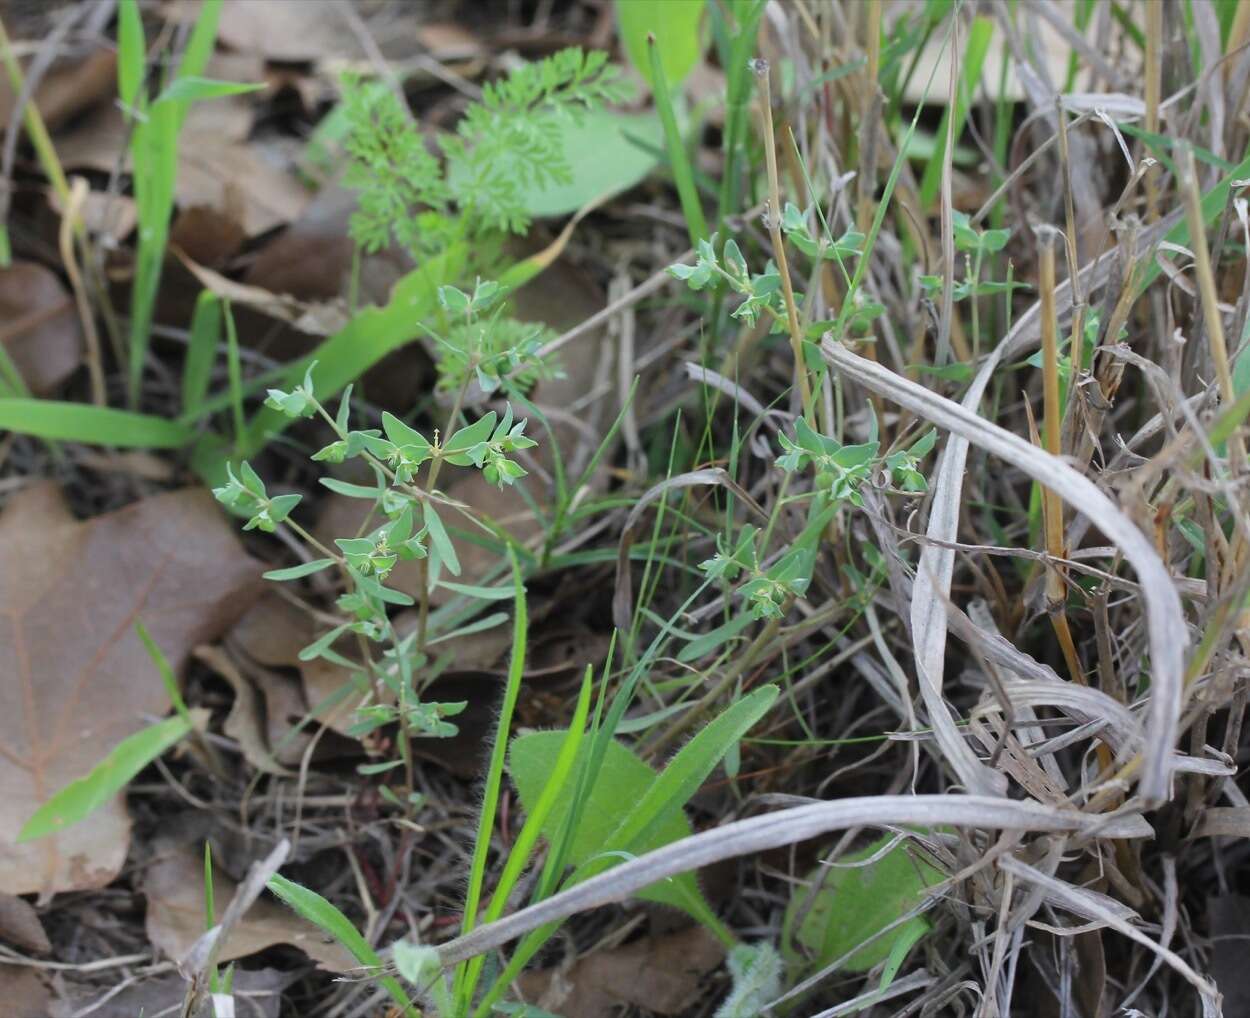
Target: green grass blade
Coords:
[[687, 771], [93, 425], [531, 830], [974, 59], [201, 352], [494, 774], [165, 670], [234, 371], [80, 798], [365, 340], [678, 158], [131, 52], [194, 89], [322, 914]]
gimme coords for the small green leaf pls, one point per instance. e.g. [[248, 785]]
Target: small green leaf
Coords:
[[80, 798], [299, 571], [438, 537], [467, 438]]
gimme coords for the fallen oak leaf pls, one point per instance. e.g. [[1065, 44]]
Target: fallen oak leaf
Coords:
[[81, 679]]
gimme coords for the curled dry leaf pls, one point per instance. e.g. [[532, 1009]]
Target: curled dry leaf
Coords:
[[174, 887], [41, 331], [70, 594], [663, 976]]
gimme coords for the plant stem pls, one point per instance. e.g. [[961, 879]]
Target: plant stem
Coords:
[[773, 216]]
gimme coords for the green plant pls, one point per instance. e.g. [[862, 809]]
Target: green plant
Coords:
[[860, 900], [155, 125], [410, 528], [505, 146]]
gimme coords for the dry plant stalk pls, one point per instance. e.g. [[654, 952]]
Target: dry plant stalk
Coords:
[[773, 216]]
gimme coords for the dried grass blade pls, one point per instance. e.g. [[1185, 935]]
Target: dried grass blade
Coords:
[[1091, 906], [1168, 635], [786, 827]]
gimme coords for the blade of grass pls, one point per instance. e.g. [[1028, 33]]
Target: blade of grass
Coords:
[[321, 913], [523, 847], [953, 120], [787, 827], [678, 159], [201, 352], [93, 425], [463, 986]]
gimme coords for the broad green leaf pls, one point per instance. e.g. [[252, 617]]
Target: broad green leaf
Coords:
[[623, 779], [79, 799], [607, 152], [851, 903], [675, 25], [93, 425], [299, 571], [468, 437], [311, 906]]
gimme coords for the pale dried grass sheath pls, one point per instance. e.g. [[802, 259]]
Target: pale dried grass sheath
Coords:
[[785, 827], [1168, 635]]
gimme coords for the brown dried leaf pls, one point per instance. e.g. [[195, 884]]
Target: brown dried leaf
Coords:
[[41, 331], [662, 975], [213, 156], [69, 87], [20, 925], [285, 32], [78, 679], [174, 887], [24, 993], [314, 319]]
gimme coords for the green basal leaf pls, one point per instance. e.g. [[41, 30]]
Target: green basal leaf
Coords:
[[840, 907]]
